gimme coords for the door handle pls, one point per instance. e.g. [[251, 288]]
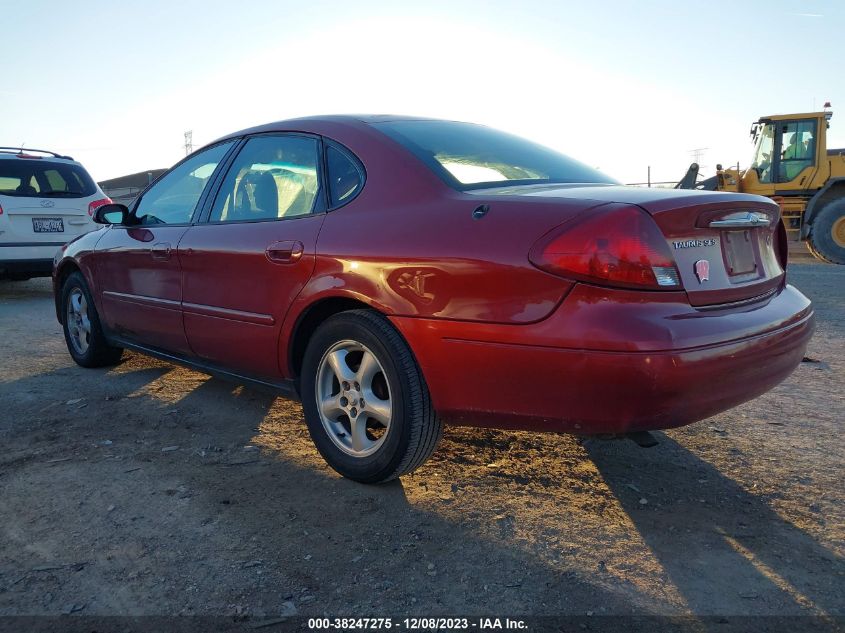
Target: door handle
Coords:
[[161, 250], [286, 252]]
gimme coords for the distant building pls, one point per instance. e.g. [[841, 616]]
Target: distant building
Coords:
[[126, 188]]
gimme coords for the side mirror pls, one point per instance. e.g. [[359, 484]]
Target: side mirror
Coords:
[[111, 214]]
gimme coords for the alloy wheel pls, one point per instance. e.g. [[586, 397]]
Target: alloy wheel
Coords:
[[353, 398], [78, 322]]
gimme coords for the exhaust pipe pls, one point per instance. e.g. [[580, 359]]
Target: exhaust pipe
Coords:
[[643, 439]]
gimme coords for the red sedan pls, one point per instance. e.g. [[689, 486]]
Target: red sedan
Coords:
[[398, 273]]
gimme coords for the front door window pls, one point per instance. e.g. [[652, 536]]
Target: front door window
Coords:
[[173, 199]]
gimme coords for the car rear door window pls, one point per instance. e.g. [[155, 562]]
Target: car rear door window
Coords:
[[173, 199], [273, 177], [344, 176]]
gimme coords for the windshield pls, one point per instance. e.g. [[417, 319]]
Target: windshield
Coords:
[[763, 145], [469, 156]]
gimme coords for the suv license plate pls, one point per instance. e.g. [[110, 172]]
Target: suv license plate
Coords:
[[48, 225]]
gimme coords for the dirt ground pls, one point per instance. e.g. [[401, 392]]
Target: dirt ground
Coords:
[[149, 489]]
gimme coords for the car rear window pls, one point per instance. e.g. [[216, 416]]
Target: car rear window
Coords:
[[469, 156], [44, 179], [345, 179]]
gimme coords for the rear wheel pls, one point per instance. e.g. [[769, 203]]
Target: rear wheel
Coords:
[[827, 238], [83, 333], [366, 403]]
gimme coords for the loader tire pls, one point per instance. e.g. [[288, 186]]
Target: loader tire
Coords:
[[815, 253], [827, 237]]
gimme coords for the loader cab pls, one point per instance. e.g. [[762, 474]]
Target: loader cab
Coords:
[[793, 166], [786, 154]]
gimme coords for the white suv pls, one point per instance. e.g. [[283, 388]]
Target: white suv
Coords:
[[46, 200]]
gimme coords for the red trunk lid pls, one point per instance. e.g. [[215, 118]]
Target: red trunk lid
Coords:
[[726, 251]]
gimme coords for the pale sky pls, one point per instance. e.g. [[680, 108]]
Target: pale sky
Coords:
[[618, 85]]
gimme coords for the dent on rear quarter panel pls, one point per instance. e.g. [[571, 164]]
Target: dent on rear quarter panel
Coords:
[[430, 258]]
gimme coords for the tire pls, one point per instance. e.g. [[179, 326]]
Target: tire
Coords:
[[815, 253], [387, 403], [827, 237], [81, 324]]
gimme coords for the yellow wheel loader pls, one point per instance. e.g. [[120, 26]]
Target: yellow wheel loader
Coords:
[[793, 166]]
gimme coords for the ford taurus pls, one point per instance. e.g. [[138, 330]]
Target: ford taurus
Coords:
[[396, 274]]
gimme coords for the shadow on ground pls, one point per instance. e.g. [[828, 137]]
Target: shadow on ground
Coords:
[[736, 554]]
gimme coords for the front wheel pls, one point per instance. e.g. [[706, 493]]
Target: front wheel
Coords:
[[83, 333], [366, 403]]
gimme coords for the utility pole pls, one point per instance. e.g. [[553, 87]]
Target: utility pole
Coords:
[[698, 154], [189, 142]]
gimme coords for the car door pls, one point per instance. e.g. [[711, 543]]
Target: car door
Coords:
[[245, 263], [138, 271]]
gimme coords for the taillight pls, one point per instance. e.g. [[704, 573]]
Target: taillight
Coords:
[[1, 209], [619, 246], [93, 206], [781, 245]]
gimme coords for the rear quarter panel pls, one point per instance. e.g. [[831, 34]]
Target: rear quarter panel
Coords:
[[431, 258]]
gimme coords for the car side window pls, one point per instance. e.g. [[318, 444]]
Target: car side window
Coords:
[[272, 177], [172, 199], [345, 179]]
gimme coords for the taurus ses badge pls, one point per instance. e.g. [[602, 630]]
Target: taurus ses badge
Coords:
[[702, 270]]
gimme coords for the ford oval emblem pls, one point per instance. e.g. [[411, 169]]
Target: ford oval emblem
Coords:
[[702, 270], [47, 204]]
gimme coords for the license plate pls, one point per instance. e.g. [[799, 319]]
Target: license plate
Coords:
[[739, 252], [48, 225]]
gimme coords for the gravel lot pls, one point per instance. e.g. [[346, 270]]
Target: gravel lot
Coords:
[[153, 490]]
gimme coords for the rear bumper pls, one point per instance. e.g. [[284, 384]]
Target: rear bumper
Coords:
[[27, 259], [619, 364], [12, 251], [10, 269]]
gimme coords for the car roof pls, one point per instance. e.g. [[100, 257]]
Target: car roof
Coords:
[[36, 154], [315, 122]]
